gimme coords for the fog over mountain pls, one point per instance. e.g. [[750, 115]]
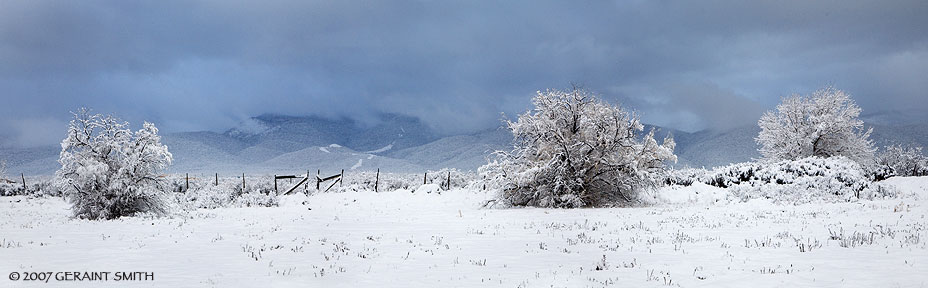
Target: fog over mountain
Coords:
[[208, 65]]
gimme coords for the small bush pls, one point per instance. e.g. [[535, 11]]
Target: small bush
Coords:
[[793, 181], [11, 189], [684, 177], [212, 196], [36, 187], [574, 150], [824, 124], [258, 192], [904, 160], [365, 180], [257, 199], [107, 171]]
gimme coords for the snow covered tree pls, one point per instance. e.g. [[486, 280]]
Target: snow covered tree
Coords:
[[574, 150], [107, 171], [824, 124], [904, 160]]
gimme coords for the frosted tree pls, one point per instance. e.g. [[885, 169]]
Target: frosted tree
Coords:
[[824, 124], [107, 171], [904, 160], [2, 169], [574, 150]]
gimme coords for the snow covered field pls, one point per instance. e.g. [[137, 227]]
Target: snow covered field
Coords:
[[405, 239]]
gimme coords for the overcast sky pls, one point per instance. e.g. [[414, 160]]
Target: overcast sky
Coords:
[[206, 65]]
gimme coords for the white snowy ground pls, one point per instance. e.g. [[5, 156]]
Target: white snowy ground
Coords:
[[404, 239]]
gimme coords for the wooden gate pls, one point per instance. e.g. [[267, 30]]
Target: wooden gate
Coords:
[[304, 180], [337, 179]]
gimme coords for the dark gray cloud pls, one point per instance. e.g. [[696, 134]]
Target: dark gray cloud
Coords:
[[205, 65]]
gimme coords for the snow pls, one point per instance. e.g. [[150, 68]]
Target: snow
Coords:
[[382, 149], [357, 165], [695, 193], [404, 239], [335, 146], [294, 200], [428, 188], [913, 187], [324, 150]]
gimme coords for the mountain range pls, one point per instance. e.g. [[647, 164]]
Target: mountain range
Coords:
[[277, 144]]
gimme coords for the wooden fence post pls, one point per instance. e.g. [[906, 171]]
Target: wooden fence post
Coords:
[[449, 180], [425, 178], [318, 171], [217, 179], [341, 179], [275, 184], [306, 185], [377, 180], [243, 182], [187, 177], [24, 182]]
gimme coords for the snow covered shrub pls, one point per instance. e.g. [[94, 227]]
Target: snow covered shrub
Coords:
[[107, 171], [43, 186], [37, 186], [257, 199], [824, 124], [879, 172], [213, 196], [10, 188], [259, 192], [797, 181], [684, 177], [365, 181], [7, 187], [574, 150], [16, 189], [904, 160], [458, 178], [393, 182]]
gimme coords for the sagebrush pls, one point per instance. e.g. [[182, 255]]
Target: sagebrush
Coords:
[[824, 124], [108, 171], [575, 150]]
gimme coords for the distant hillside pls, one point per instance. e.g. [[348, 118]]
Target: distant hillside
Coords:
[[712, 148], [275, 142], [463, 151], [31, 161]]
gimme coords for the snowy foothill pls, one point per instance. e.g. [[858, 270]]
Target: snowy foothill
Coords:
[[381, 150], [357, 165], [424, 236]]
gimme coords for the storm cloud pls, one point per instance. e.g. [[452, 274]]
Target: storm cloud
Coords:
[[207, 65]]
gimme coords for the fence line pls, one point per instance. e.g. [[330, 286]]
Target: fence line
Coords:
[[305, 179]]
